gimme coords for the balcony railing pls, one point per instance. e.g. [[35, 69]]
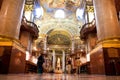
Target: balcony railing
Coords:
[[30, 27], [87, 28]]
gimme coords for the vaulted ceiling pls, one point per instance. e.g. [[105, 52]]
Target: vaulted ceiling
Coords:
[[59, 30]]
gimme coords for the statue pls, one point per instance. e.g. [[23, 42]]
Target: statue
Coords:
[[58, 63], [58, 69]]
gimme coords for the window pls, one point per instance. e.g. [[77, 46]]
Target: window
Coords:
[[79, 13], [59, 13], [38, 12]]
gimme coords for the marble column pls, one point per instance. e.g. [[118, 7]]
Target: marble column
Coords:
[[106, 19], [108, 33], [63, 60], [10, 22], [45, 45], [10, 17], [72, 47], [54, 59]]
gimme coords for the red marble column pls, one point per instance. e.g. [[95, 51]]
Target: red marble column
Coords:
[[104, 58], [10, 17], [106, 19], [12, 53]]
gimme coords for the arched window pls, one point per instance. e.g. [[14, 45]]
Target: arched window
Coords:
[[79, 14], [59, 14], [38, 12]]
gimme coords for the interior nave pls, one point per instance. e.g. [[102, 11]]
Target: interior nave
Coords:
[[77, 38]]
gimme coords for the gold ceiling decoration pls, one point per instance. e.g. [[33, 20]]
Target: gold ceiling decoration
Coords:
[[90, 9], [71, 4], [29, 2], [60, 3], [55, 3], [59, 31], [29, 7]]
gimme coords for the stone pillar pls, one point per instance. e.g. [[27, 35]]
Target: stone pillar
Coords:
[[106, 19], [104, 57], [13, 53], [10, 17], [54, 59], [72, 50], [45, 45], [63, 61]]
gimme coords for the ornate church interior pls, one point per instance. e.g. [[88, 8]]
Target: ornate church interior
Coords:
[[78, 38]]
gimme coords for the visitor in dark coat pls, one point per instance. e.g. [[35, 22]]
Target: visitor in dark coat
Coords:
[[40, 63]]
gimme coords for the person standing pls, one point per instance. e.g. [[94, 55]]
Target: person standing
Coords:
[[40, 63], [69, 66]]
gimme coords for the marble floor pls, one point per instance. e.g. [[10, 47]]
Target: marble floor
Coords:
[[45, 76]]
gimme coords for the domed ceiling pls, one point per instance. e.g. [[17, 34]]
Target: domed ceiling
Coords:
[[59, 29]]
